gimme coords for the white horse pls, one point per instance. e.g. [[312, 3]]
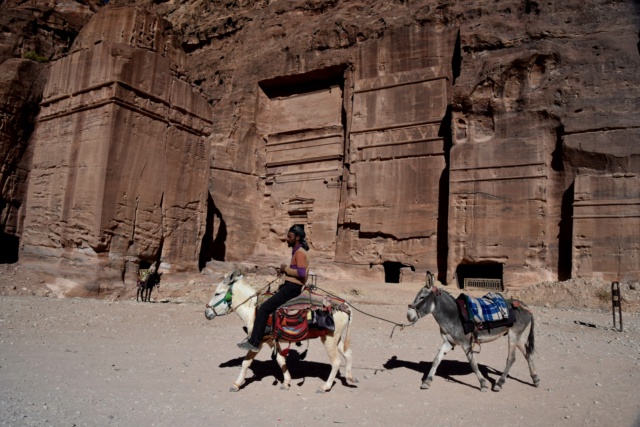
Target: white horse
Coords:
[[234, 294], [432, 300]]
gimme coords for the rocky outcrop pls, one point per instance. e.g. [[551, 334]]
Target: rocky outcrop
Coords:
[[119, 172], [42, 30], [21, 84]]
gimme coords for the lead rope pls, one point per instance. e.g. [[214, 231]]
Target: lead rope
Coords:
[[258, 292], [396, 324]]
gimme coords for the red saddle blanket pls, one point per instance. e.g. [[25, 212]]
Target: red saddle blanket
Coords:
[[299, 324], [307, 316], [291, 325]]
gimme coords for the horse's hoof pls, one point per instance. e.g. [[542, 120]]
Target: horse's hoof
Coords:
[[484, 389], [320, 390], [536, 381], [425, 386], [284, 387], [497, 388], [354, 380], [234, 389]]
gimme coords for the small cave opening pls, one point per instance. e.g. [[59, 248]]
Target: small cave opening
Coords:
[[393, 271], [9, 246], [320, 79], [487, 275], [145, 265]]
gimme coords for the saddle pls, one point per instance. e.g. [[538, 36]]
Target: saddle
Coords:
[[486, 313], [307, 316]]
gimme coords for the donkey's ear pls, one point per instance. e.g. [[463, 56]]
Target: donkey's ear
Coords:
[[430, 280], [231, 277]]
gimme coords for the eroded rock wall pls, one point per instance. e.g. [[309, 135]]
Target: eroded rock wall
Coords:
[[606, 233], [33, 33], [414, 134], [21, 84], [457, 151]]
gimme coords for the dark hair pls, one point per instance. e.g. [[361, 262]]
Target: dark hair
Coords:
[[298, 231]]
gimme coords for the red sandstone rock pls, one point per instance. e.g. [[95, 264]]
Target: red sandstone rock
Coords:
[[120, 165], [441, 136]]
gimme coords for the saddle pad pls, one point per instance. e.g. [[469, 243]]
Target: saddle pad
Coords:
[[308, 299], [490, 308], [469, 326]]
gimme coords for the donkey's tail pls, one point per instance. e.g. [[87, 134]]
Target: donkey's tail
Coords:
[[530, 346], [346, 334]]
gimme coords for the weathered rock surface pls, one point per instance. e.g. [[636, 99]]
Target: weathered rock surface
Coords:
[[535, 92], [120, 166], [21, 85], [460, 137], [32, 34]]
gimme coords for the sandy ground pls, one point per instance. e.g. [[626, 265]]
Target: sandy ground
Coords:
[[93, 362]]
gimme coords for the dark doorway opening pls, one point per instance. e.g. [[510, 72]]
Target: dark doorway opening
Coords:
[[565, 235], [491, 270], [392, 271], [8, 248], [320, 79], [213, 245]]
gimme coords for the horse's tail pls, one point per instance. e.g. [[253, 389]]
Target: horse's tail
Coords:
[[530, 346]]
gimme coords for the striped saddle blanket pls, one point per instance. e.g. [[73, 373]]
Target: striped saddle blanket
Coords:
[[307, 316], [489, 308]]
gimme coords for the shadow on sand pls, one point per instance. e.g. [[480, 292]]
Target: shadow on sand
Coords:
[[299, 369], [448, 369]]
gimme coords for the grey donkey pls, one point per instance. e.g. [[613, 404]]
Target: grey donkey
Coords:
[[432, 300]]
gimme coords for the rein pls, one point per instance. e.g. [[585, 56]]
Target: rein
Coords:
[[401, 325], [228, 297]]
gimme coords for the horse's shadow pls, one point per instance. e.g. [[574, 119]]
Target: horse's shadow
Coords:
[[448, 369], [298, 368]]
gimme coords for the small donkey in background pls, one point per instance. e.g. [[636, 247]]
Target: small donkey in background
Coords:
[[147, 279]]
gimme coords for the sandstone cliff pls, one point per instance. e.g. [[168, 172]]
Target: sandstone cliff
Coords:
[[494, 141]]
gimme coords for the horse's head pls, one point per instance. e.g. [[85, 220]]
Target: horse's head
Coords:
[[221, 301], [424, 302]]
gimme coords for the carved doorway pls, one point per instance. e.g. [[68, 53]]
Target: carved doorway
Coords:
[[301, 120]]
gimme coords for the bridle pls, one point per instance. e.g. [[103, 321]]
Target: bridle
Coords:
[[423, 300], [228, 297]]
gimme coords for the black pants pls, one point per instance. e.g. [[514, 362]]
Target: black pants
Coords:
[[286, 291]]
